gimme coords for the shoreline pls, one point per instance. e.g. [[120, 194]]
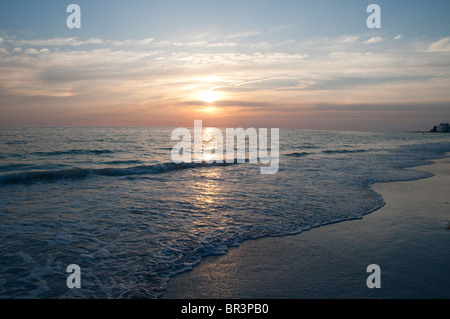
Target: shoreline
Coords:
[[406, 237]]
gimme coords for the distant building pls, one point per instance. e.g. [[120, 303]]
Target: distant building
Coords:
[[441, 128], [445, 127]]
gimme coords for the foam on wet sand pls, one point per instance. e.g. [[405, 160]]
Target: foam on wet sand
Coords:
[[408, 238]]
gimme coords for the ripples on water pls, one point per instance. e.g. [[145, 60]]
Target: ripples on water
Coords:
[[111, 201]]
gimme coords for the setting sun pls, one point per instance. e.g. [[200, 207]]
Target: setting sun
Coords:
[[210, 96]]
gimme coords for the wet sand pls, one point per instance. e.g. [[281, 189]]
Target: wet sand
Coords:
[[408, 238]]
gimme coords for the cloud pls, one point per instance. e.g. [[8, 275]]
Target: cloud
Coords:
[[286, 42], [443, 45], [231, 103], [326, 44], [75, 42], [194, 44], [170, 72], [330, 42], [244, 34], [211, 60], [349, 39], [128, 42], [31, 51], [58, 42], [146, 42], [373, 40], [206, 44]]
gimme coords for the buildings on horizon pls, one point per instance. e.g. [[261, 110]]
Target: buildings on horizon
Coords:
[[441, 128]]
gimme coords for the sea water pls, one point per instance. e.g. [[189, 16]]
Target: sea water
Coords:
[[111, 201]]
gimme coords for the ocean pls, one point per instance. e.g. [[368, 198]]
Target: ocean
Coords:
[[112, 201]]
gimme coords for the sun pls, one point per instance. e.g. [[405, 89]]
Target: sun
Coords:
[[210, 96]]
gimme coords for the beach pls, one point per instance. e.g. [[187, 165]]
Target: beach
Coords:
[[407, 238], [132, 219]]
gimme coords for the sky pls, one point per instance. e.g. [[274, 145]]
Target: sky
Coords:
[[255, 63]]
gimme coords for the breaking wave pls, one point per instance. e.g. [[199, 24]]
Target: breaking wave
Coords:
[[79, 173]]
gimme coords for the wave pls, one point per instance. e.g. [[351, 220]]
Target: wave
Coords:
[[123, 162], [73, 152], [338, 151], [79, 173], [344, 151], [307, 146], [297, 154], [16, 143], [13, 166]]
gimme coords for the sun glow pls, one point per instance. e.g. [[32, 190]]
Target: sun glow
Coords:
[[210, 96], [210, 110]]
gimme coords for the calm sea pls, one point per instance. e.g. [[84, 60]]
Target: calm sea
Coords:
[[111, 201]]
